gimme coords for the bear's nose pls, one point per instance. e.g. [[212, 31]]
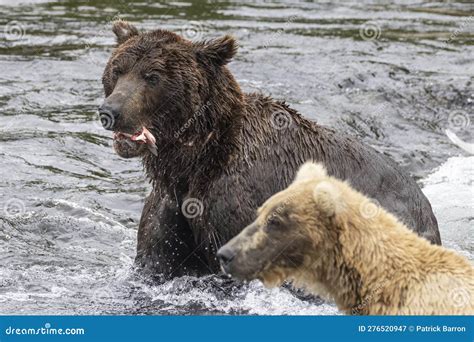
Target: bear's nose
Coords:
[[107, 116], [225, 256]]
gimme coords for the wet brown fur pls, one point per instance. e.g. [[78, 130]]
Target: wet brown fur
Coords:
[[231, 158]]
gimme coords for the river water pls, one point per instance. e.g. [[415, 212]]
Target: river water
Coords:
[[395, 75]]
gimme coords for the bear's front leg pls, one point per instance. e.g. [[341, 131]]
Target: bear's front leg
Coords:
[[166, 246]]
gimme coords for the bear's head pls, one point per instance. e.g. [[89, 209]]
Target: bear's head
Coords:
[[293, 230], [159, 86]]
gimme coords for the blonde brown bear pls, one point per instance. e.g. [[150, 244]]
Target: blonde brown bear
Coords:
[[326, 237]]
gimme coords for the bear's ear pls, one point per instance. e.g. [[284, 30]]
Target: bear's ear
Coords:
[[124, 31], [328, 197], [219, 51], [310, 170]]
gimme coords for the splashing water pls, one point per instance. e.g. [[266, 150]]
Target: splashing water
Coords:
[[70, 207]]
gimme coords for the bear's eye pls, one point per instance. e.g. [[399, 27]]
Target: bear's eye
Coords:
[[273, 222], [151, 78]]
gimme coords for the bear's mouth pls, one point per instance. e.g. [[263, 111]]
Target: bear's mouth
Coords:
[[141, 137]]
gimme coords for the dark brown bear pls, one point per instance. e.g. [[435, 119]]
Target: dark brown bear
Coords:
[[214, 154]]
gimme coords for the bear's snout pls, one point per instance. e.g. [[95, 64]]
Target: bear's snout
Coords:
[[225, 255], [108, 115]]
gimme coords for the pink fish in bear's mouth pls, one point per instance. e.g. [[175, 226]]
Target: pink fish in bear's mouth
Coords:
[[144, 136]]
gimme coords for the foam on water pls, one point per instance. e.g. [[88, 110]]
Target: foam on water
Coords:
[[83, 263], [252, 298], [450, 190]]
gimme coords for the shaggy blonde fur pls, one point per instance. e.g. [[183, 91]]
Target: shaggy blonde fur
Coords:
[[366, 259]]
